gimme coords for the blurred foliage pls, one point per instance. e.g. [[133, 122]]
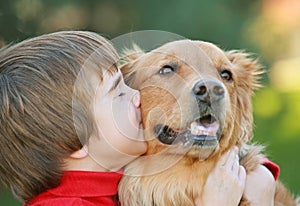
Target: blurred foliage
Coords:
[[269, 28]]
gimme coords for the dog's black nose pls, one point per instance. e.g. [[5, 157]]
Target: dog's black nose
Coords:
[[208, 91]]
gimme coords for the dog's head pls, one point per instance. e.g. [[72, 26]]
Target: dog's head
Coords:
[[195, 98]]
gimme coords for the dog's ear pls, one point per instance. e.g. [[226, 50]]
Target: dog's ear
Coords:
[[131, 54], [129, 73], [248, 72], [248, 69], [128, 61]]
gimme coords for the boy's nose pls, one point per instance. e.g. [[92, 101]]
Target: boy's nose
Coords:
[[136, 99]]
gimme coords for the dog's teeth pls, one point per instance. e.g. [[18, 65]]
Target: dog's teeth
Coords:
[[195, 126], [205, 133], [198, 129]]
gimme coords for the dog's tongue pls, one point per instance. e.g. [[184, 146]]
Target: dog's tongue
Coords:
[[208, 129]]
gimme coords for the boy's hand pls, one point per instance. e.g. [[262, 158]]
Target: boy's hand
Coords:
[[225, 184]]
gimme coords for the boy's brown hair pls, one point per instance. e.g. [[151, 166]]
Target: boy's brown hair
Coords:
[[45, 105]]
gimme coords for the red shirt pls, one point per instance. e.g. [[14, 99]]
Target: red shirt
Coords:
[[81, 188]]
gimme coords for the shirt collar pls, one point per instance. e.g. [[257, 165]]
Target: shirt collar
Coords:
[[87, 184]]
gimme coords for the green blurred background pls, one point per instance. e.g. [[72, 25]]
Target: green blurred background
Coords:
[[269, 28]]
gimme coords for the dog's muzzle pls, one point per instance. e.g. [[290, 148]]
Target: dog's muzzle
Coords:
[[206, 129]]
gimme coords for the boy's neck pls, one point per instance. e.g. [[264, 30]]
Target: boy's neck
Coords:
[[83, 164]]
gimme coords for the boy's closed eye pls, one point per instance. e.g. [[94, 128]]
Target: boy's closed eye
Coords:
[[121, 94]]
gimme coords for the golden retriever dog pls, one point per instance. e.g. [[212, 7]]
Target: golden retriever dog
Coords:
[[196, 105]]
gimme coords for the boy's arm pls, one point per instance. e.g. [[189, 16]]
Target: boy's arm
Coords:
[[261, 184]]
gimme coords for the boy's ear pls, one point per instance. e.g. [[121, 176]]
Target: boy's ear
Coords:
[[79, 154]]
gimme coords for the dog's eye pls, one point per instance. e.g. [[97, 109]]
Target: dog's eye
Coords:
[[166, 70], [226, 75]]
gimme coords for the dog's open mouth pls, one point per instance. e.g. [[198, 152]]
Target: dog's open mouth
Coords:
[[203, 131]]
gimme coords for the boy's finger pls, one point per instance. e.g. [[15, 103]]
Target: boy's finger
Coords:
[[235, 164], [231, 160], [242, 174], [223, 159]]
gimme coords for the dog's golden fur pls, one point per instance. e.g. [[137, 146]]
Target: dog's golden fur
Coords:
[[170, 173]]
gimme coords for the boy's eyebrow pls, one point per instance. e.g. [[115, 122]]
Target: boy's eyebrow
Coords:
[[115, 83]]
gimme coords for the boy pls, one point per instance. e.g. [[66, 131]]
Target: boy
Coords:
[[49, 110], [60, 138]]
